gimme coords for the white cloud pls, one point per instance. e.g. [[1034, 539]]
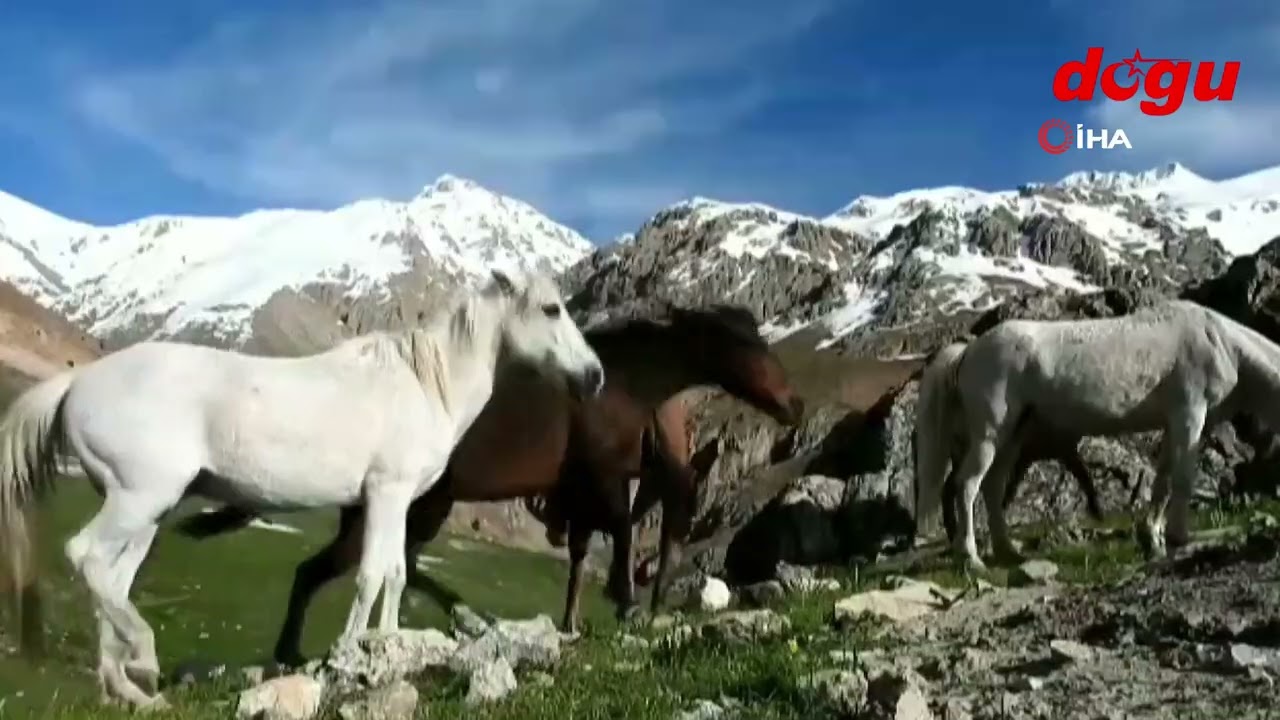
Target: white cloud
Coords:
[[1205, 136], [328, 106]]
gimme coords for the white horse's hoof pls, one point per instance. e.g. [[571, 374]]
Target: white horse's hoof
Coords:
[[156, 703]]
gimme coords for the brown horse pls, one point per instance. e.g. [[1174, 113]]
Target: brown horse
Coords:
[[533, 439]]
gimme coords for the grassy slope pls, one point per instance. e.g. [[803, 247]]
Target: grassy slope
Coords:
[[221, 601]]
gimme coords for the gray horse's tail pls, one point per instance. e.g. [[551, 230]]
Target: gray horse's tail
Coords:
[[31, 439], [936, 421]]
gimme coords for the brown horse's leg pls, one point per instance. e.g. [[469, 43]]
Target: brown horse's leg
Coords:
[[1015, 480], [677, 516], [336, 558], [579, 542], [31, 640], [1074, 464], [621, 583], [426, 517]]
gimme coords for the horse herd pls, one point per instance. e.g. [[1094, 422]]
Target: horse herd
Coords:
[[500, 395]]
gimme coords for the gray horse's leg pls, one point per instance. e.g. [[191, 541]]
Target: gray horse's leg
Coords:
[[993, 493], [1182, 476], [1174, 475]]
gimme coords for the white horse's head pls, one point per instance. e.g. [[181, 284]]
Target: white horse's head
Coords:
[[538, 329]]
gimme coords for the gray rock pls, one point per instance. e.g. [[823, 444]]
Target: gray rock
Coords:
[[703, 710], [844, 691], [291, 697], [1070, 651], [745, 626], [467, 623], [897, 696], [397, 701], [377, 658], [534, 643], [489, 681], [1033, 572]]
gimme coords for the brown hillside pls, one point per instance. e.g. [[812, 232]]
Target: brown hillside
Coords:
[[35, 341]]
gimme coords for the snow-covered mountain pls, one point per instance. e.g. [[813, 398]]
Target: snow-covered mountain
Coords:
[[165, 275], [877, 263], [884, 262]]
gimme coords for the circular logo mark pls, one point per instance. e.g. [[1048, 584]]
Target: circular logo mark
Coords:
[[1067, 136]]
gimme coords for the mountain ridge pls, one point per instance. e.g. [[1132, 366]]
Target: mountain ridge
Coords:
[[208, 277]]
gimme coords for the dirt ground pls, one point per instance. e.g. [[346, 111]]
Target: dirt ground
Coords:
[[1197, 637]]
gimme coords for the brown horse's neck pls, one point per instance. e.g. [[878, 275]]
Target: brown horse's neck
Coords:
[[653, 367]]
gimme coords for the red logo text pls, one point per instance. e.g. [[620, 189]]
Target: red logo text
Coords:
[[1163, 80]]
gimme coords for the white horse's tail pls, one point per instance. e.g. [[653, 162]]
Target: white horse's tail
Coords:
[[31, 439], [935, 432]]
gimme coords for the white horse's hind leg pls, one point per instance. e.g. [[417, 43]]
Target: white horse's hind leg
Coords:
[[382, 560], [108, 552]]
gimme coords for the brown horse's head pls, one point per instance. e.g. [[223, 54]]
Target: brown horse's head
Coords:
[[727, 350]]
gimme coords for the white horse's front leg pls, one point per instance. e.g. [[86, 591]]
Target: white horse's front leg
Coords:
[[398, 572], [386, 510]]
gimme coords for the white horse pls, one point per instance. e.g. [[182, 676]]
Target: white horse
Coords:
[[371, 421], [1177, 367]]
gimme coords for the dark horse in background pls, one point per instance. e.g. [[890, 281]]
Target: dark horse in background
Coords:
[[533, 439]]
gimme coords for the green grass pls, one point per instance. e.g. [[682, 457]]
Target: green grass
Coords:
[[221, 600]]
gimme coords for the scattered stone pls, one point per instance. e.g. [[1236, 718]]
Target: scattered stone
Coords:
[[1070, 651], [1241, 656], [541, 679], [467, 622], [844, 691], [521, 643], [714, 595], [377, 658], [897, 696], [955, 709], [253, 675], [1033, 572], [974, 660], [631, 642], [702, 710], [678, 636], [491, 681], [292, 697], [746, 626], [848, 657], [1028, 683], [763, 594], [662, 622], [907, 601], [397, 701]]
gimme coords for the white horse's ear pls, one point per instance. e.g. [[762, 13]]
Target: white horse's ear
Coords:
[[505, 286]]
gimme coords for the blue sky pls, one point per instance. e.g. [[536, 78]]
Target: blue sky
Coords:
[[599, 112]]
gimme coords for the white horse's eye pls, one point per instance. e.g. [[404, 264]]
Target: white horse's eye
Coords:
[[552, 310]]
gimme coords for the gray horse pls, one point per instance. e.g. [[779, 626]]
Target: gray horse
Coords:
[[1177, 367]]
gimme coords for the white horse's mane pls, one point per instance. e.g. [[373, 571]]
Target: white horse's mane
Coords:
[[450, 332]]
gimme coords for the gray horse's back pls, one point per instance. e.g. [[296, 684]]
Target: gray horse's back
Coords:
[[1098, 375]]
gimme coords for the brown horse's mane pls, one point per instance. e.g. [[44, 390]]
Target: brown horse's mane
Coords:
[[734, 319]]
